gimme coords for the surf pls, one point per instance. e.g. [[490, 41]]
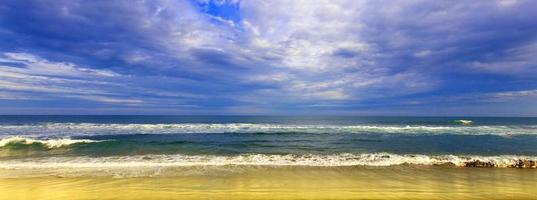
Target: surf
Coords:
[[89, 129], [332, 160], [47, 143]]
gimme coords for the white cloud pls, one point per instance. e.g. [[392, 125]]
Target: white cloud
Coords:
[[423, 53], [38, 66], [4, 95], [516, 94], [318, 51], [303, 34], [279, 52], [506, 3], [106, 99], [26, 76]]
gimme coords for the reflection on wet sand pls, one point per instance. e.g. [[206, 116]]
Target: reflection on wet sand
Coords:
[[234, 182]]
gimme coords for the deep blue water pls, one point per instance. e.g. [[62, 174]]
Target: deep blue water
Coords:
[[336, 120], [236, 135]]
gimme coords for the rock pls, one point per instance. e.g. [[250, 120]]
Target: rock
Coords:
[[525, 164], [478, 163], [447, 164]]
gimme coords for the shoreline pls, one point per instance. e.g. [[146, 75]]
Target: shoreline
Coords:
[[266, 160], [228, 170]]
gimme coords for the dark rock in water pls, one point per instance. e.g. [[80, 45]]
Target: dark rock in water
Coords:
[[478, 163], [448, 164], [525, 164]]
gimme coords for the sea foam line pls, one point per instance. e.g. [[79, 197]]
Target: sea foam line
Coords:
[[49, 143], [335, 160], [71, 129]]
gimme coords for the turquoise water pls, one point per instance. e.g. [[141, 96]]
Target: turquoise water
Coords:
[[264, 140]]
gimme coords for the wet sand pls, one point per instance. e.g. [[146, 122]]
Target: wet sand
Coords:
[[239, 182]]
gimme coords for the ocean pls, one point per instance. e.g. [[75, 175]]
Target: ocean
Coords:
[[290, 156]]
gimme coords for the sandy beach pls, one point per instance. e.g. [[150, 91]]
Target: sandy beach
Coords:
[[240, 182]]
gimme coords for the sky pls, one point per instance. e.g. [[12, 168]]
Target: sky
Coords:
[[273, 57]]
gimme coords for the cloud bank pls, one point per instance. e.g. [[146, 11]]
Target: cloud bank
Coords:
[[268, 57]]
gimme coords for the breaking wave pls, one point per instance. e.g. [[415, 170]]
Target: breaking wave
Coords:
[[74, 129], [48, 143], [335, 160]]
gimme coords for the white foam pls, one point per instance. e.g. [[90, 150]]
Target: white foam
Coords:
[[49, 143], [464, 122], [77, 129], [373, 159]]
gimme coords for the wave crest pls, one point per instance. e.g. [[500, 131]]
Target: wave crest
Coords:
[[74, 129], [48, 143]]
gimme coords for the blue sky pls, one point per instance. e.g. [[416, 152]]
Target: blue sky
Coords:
[[269, 57]]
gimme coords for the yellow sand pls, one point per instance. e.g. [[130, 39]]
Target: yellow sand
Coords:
[[287, 183]]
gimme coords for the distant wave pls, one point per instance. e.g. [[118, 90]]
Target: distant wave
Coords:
[[73, 129], [373, 159], [463, 122], [48, 143]]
